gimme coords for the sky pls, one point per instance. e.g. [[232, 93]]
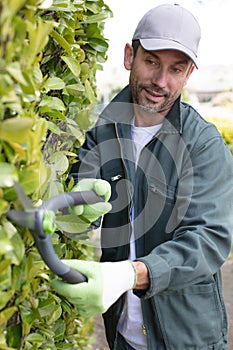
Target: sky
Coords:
[[214, 16]]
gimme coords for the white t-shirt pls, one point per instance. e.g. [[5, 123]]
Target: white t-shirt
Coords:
[[131, 321]]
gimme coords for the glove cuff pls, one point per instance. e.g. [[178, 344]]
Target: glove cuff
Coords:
[[135, 274], [118, 278]]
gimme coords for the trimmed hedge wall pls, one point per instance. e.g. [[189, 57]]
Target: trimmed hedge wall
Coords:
[[49, 54]]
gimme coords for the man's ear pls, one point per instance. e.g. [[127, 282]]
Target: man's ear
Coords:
[[191, 69], [128, 56]]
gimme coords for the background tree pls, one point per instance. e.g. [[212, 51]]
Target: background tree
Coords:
[[49, 54]]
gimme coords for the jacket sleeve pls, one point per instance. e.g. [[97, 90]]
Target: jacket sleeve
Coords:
[[202, 240]]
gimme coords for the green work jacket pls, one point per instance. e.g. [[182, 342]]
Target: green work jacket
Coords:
[[182, 194]]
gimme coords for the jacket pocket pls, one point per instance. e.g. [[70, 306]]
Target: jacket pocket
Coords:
[[164, 192], [159, 204], [191, 318]]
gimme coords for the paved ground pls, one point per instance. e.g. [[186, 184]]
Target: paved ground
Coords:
[[227, 270]]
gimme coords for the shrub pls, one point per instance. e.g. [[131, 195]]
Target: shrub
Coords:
[[225, 126], [49, 55]]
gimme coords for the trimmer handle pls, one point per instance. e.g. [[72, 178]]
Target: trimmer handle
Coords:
[[34, 220]]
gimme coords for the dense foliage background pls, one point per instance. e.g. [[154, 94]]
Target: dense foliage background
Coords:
[[49, 54]]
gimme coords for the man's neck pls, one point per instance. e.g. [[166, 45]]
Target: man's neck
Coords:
[[145, 119], [148, 120]]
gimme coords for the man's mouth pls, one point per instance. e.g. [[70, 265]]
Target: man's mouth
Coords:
[[154, 95]]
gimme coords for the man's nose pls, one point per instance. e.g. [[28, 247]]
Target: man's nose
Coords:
[[160, 77]]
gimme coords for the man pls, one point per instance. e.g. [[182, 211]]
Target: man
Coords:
[[171, 175]]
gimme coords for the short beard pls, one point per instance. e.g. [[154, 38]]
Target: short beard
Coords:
[[151, 110], [146, 107]]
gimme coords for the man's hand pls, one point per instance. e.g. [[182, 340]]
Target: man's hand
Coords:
[[91, 212], [106, 283], [143, 281]]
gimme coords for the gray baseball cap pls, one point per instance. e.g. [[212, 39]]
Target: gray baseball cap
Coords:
[[169, 27]]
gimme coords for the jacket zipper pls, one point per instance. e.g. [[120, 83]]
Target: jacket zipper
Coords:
[[130, 207]]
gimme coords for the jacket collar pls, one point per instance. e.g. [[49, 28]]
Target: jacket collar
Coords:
[[120, 110]]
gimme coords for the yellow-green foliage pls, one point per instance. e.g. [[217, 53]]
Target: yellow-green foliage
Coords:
[[225, 126], [48, 62]]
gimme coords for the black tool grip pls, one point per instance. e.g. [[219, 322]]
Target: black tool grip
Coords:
[[44, 242], [73, 277], [45, 247], [68, 199], [33, 219]]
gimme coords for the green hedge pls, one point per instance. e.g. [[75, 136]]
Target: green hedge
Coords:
[[48, 62], [225, 126]]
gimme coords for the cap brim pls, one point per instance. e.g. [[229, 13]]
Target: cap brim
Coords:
[[162, 44]]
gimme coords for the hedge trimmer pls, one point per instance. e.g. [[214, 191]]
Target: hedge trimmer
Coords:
[[42, 223]]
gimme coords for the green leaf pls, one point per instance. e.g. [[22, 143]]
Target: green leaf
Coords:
[[5, 278], [18, 252], [59, 330], [4, 206], [12, 152], [9, 228], [46, 307], [54, 128], [18, 277], [56, 314], [73, 65], [98, 44], [71, 224], [59, 162], [37, 75], [8, 175], [76, 132], [15, 129], [54, 84], [54, 114], [29, 180], [89, 91], [35, 338], [28, 315], [13, 6], [5, 297], [14, 336], [33, 268], [29, 88], [75, 89], [54, 187], [5, 246], [97, 18], [4, 265], [49, 102], [38, 37], [61, 41], [6, 314], [15, 71]]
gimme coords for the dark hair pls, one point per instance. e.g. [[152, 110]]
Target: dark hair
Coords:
[[135, 45]]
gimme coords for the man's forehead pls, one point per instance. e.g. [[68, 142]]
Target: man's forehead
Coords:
[[175, 54]]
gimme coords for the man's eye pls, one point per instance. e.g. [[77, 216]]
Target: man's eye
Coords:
[[152, 62], [176, 70]]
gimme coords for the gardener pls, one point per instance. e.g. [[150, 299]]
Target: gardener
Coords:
[[171, 176]]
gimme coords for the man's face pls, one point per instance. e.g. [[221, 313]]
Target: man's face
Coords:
[[157, 77]]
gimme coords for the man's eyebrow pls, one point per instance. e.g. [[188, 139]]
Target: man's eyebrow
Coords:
[[184, 61]]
